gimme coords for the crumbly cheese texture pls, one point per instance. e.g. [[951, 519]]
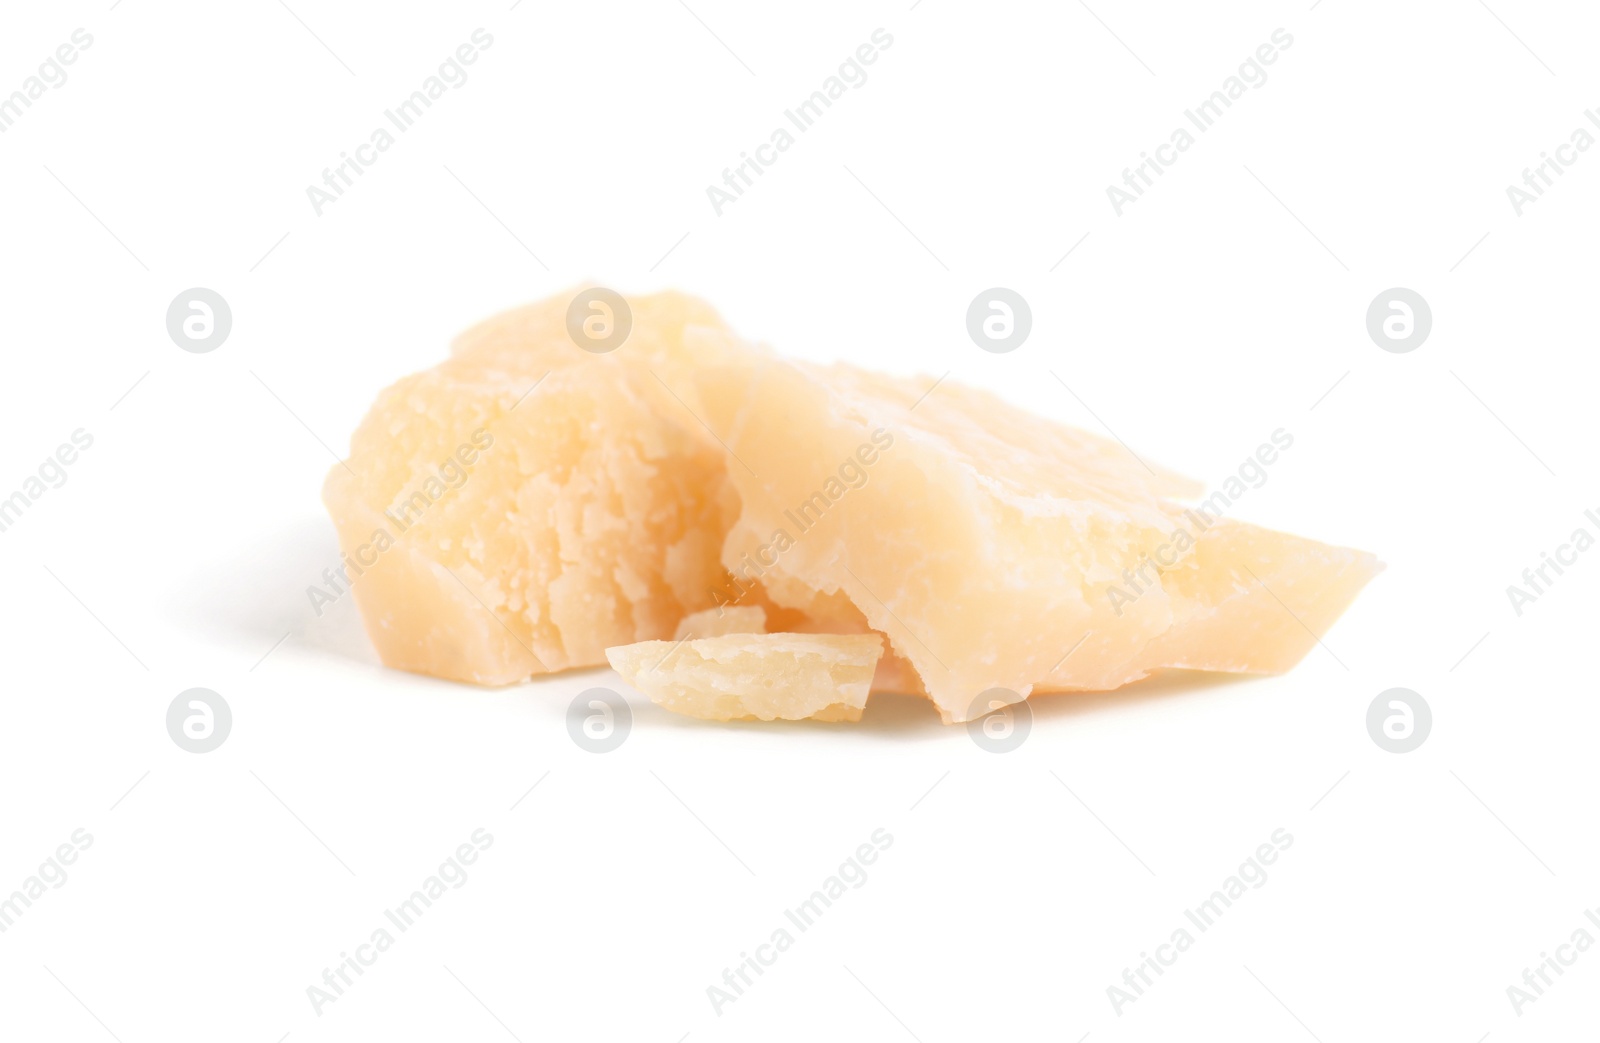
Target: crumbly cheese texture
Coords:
[[588, 515], [760, 677], [610, 498]]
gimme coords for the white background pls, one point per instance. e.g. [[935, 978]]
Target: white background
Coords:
[[1224, 304]]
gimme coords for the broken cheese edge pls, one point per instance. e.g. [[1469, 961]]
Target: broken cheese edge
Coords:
[[984, 542]]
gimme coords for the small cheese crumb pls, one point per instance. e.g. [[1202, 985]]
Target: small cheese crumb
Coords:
[[717, 622], [764, 677]]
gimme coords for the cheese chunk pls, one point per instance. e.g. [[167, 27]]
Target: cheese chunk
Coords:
[[526, 504], [986, 543], [765, 677]]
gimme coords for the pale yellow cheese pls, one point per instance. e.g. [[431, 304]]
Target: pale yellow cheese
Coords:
[[984, 542], [689, 484], [717, 622], [590, 516], [766, 677]]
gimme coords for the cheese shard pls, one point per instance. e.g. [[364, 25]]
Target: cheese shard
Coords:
[[526, 504], [766, 677], [718, 622], [986, 544]]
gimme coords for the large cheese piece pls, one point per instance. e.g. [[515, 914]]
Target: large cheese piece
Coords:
[[762, 677], [526, 504], [986, 543]]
